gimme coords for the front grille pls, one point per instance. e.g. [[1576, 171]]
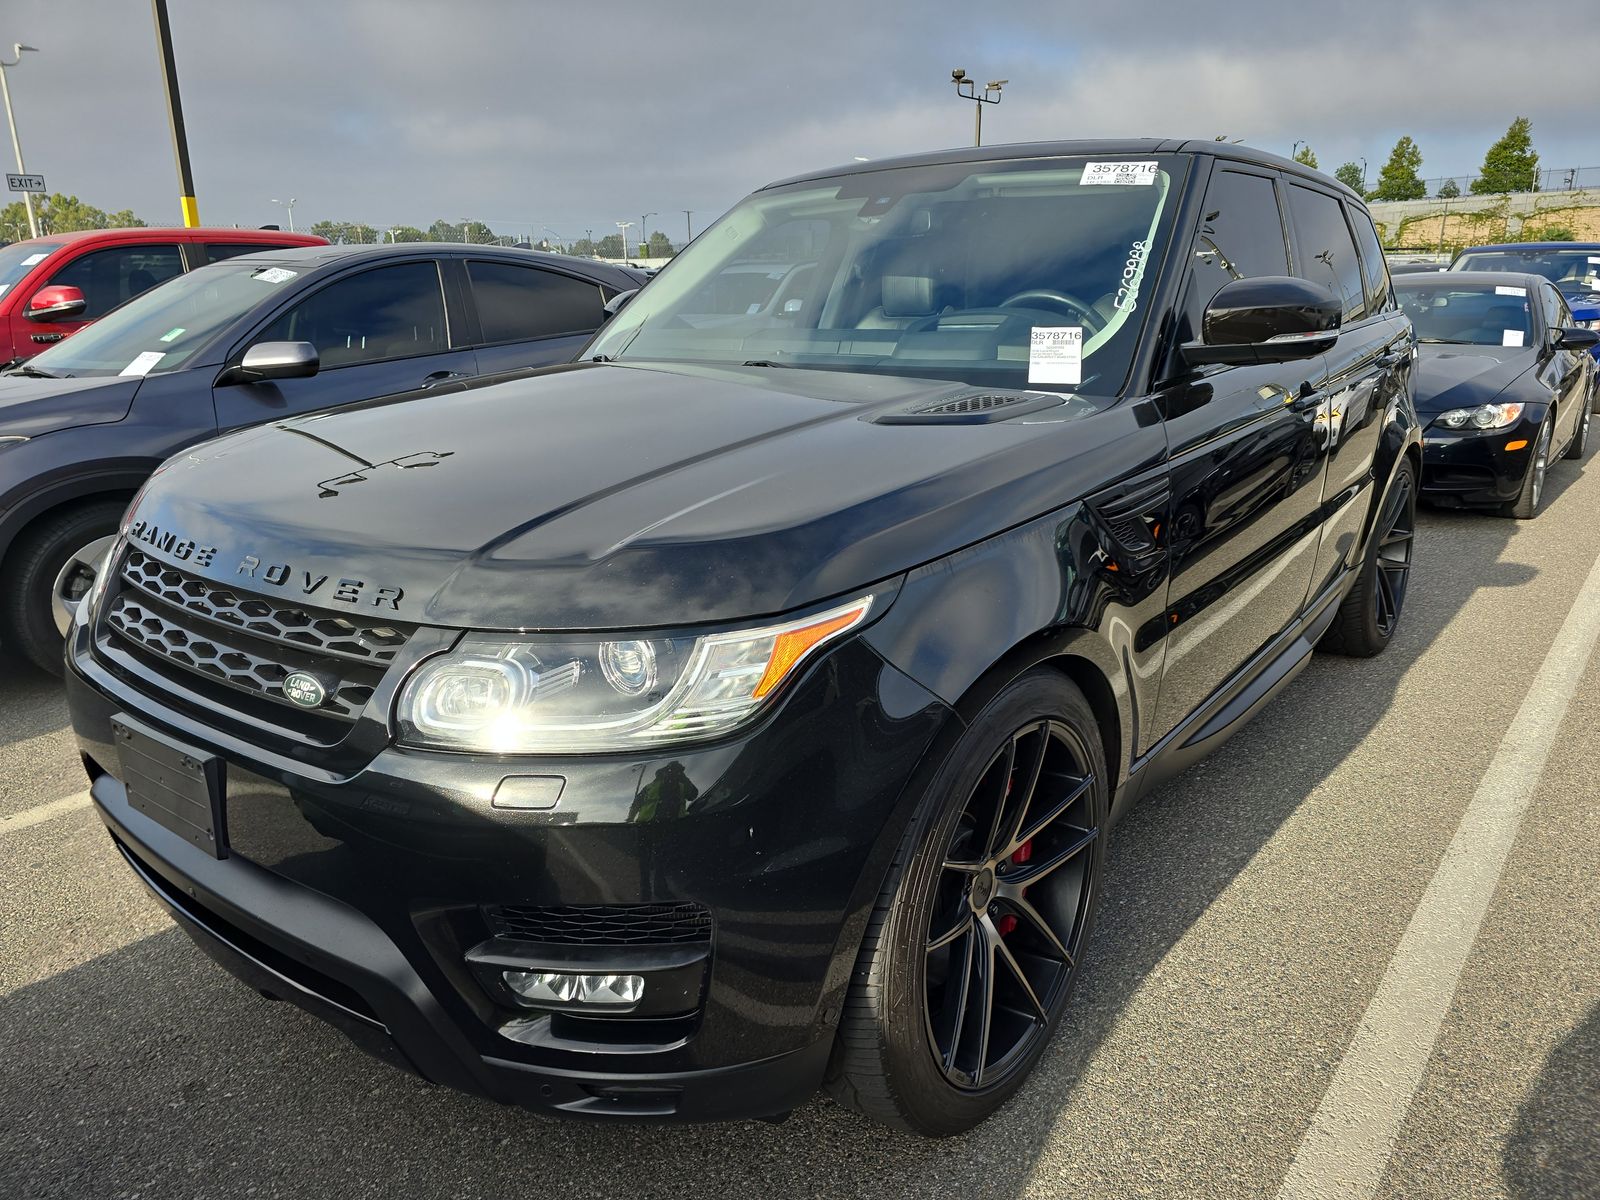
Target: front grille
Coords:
[[602, 924], [199, 634]]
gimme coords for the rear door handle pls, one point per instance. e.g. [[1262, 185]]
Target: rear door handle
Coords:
[[439, 377]]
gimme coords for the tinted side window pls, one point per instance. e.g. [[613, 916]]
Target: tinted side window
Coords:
[[1327, 252], [1240, 237], [392, 312], [108, 277], [1373, 268], [1556, 313], [217, 251], [517, 303]]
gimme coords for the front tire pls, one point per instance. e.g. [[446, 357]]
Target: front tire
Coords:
[[973, 948], [1369, 615], [1529, 500], [54, 552]]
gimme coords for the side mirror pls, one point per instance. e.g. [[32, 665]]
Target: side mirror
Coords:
[[614, 305], [1572, 338], [1270, 319], [55, 304], [273, 360]]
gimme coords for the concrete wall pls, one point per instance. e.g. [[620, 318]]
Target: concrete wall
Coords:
[[1467, 219]]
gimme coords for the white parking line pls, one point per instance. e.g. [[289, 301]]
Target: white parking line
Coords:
[[29, 817], [1346, 1148]]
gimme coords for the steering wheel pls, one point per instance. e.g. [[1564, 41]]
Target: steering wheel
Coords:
[[1072, 304]]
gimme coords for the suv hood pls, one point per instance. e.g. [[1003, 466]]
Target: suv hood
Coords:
[[618, 496], [30, 406], [1459, 376]]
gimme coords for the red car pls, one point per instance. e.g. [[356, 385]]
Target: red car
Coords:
[[52, 286]]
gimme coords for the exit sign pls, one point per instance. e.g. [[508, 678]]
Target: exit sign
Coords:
[[25, 183]]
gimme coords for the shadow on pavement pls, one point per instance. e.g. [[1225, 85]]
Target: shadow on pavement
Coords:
[[31, 702], [1554, 1148], [149, 1069]]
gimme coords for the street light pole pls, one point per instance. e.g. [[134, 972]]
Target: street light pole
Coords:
[[180, 140], [644, 243], [967, 89], [622, 228], [688, 225], [289, 205], [16, 144]]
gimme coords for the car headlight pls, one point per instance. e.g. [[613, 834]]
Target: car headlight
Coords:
[[1594, 324], [1484, 416], [504, 694]]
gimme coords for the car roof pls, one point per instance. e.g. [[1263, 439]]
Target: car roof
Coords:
[[1064, 149], [1483, 279], [1504, 247], [313, 257], [142, 233]]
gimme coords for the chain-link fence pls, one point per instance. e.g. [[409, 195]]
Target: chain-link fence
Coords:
[[1550, 179]]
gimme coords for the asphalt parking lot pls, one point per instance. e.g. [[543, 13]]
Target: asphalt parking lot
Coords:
[[1252, 912]]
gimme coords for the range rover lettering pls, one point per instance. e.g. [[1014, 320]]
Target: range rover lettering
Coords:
[[757, 693]]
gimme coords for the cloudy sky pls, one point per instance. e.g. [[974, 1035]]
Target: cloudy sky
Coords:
[[573, 116]]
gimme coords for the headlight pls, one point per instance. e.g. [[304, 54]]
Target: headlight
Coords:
[[1595, 324], [1485, 416], [502, 694]]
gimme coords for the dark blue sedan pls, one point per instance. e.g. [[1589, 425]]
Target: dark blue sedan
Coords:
[[257, 338]]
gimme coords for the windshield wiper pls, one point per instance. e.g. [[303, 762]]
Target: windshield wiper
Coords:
[[764, 362], [31, 372]]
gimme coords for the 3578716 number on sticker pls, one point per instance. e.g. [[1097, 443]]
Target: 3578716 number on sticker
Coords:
[[1055, 354], [1119, 174]]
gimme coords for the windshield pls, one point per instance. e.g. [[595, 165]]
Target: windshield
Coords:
[[1469, 316], [17, 259], [1030, 274], [161, 330], [1569, 270]]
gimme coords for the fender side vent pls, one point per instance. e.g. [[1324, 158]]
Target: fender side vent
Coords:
[[974, 408]]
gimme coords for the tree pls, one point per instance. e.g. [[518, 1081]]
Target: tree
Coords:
[[405, 233], [611, 246], [1511, 164], [1307, 156], [584, 248], [62, 214], [659, 246], [1350, 175], [444, 231], [1449, 190], [1399, 179]]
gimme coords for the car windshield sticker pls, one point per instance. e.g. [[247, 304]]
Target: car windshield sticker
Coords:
[[143, 364], [172, 335], [1513, 337], [1594, 258], [273, 274], [1119, 174], [1502, 290], [1055, 354], [36, 258]]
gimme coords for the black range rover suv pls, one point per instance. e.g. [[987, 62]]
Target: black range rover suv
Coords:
[[743, 709]]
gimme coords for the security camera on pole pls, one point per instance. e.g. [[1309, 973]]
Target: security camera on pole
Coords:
[[967, 89]]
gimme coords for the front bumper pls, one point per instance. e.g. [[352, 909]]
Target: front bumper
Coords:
[[359, 896], [1473, 469]]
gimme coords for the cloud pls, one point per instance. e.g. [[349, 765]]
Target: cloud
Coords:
[[526, 116]]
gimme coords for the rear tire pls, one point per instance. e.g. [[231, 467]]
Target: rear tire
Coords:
[[1368, 616], [36, 559], [914, 1049], [1580, 436]]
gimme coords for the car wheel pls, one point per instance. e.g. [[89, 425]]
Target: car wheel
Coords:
[[1580, 436], [48, 573], [1526, 506], [974, 944], [1369, 615]]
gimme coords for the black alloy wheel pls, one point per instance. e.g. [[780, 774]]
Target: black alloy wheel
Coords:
[[1370, 613], [1007, 925], [1526, 506], [974, 945]]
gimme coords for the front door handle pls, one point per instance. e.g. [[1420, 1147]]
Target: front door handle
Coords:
[[1394, 358], [439, 377]]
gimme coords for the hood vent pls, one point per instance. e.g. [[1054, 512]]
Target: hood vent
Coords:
[[972, 408]]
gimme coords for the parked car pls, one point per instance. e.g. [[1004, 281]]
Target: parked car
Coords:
[[744, 708], [1574, 267], [1505, 384], [259, 337], [53, 286]]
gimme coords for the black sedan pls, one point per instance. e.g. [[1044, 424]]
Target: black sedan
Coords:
[[257, 338], [1505, 383]]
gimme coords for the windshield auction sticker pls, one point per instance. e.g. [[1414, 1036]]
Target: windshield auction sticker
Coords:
[[1513, 337], [143, 364], [1055, 354], [1119, 174], [1502, 290], [273, 275]]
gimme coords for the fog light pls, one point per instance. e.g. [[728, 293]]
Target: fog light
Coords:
[[591, 991]]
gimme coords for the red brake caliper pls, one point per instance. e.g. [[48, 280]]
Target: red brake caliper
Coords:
[[1023, 853]]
